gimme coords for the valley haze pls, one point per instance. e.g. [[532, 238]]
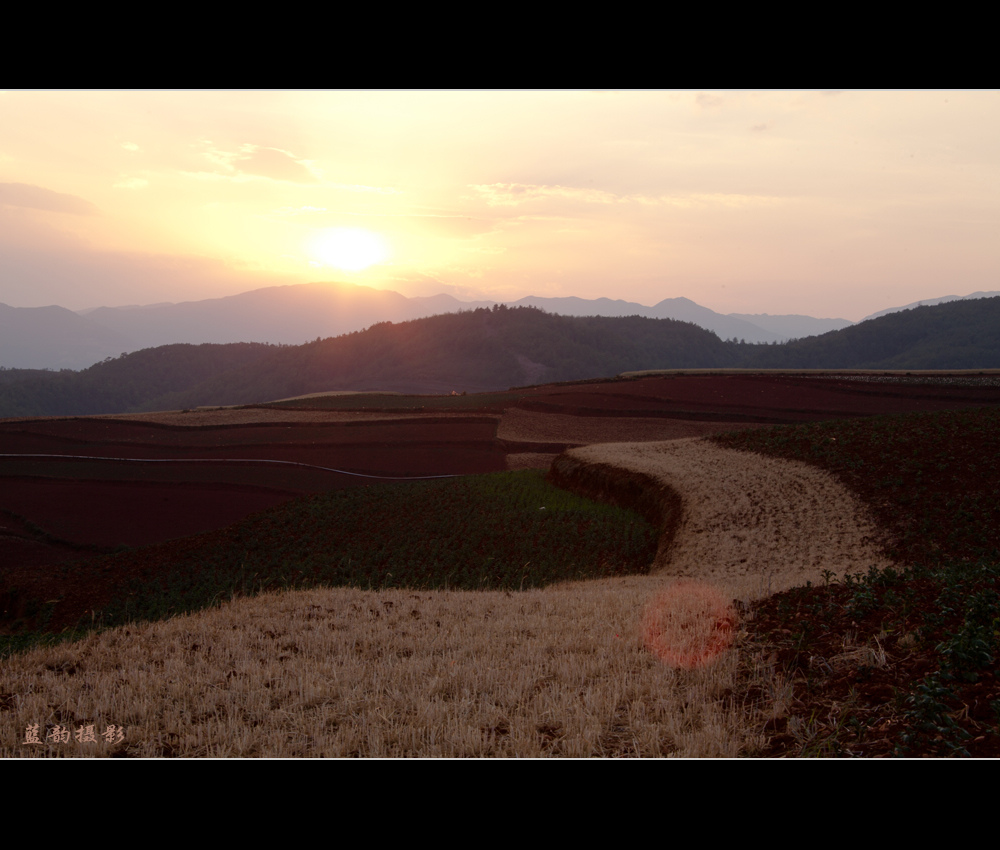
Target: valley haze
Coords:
[[54, 337]]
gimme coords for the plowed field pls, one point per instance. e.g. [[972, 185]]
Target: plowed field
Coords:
[[74, 487]]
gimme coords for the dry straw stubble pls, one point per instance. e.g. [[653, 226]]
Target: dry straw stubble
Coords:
[[561, 671]]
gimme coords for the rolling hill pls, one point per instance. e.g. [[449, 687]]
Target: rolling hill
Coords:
[[493, 349]]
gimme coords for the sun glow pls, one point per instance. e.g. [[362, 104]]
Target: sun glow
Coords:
[[350, 249]]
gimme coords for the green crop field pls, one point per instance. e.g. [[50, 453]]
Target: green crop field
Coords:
[[499, 531]]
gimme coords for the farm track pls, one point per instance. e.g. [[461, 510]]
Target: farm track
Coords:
[[745, 522]]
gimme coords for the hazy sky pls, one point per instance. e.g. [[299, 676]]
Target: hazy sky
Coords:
[[832, 204]]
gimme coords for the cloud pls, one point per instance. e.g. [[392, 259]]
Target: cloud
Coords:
[[35, 197], [709, 100], [252, 162], [513, 194], [275, 164], [257, 161]]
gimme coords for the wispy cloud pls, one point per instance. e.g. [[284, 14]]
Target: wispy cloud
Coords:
[[275, 164], [254, 161], [132, 183], [36, 197], [514, 194]]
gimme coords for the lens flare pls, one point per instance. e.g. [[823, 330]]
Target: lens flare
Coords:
[[688, 625]]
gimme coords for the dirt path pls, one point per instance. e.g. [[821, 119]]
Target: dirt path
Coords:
[[751, 524], [529, 426]]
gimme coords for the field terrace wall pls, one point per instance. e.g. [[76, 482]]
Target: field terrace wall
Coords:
[[659, 504]]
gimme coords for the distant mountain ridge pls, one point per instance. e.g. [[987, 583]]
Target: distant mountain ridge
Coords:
[[295, 314], [793, 326], [285, 315], [930, 302], [680, 309], [56, 338]]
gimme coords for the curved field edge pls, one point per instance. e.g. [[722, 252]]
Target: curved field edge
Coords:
[[643, 493], [506, 531], [898, 661], [553, 671], [559, 671]]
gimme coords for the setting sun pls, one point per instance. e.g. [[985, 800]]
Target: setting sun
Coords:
[[350, 249]]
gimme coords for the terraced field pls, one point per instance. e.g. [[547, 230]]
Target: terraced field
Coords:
[[620, 653]]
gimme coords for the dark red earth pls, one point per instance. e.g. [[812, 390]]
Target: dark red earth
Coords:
[[772, 398], [55, 512], [98, 495], [51, 507]]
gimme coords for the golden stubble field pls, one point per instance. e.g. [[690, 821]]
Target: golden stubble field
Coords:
[[562, 671]]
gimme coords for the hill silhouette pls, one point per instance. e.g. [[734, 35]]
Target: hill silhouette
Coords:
[[961, 334], [122, 384], [491, 349]]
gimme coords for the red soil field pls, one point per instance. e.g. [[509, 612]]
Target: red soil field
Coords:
[[57, 510], [58, 505], [757, 397]]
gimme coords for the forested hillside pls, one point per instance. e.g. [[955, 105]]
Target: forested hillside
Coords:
[[491, 349], [957, 335], [473, 351], [123, 384]]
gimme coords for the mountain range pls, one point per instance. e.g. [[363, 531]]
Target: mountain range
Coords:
[[489, 349], [56, 338]]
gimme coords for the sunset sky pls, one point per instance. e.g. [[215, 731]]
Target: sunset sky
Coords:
[[831, 204]]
